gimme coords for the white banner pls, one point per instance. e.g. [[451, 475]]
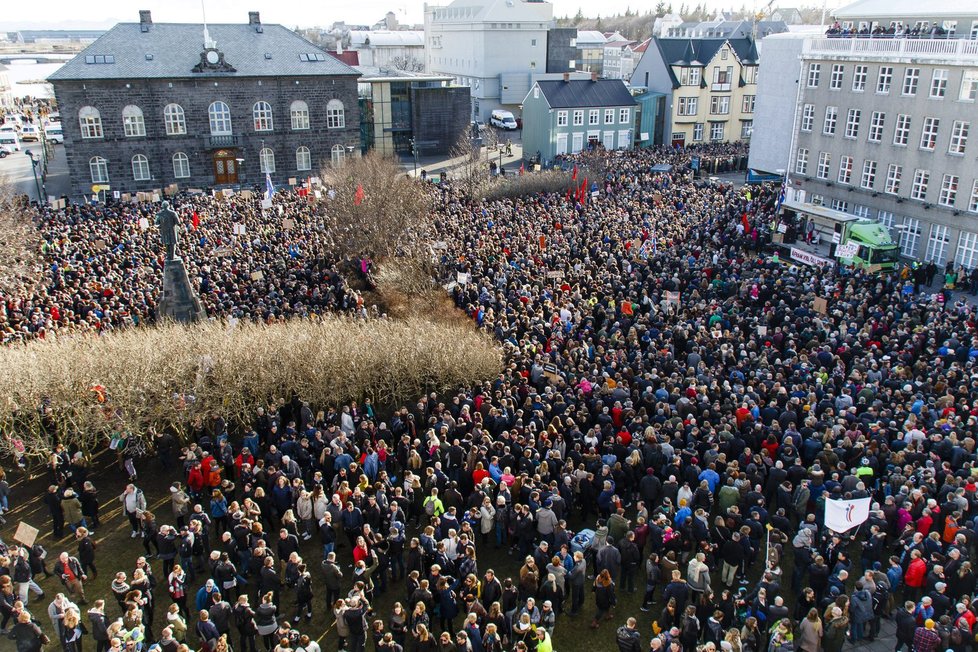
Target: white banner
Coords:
[[809, 258], [847, 250], [843, 515]]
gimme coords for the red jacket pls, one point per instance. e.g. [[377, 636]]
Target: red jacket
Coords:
[[195, 479], [916, 573]]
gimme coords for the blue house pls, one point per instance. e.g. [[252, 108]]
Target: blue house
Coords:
[[566, 116]]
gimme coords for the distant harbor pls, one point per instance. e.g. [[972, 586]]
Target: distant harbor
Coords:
[[28, 78]]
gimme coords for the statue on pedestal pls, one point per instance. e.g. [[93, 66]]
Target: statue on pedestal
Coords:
[[178, 302]]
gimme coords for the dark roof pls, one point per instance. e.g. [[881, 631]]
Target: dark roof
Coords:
[[699, 51], [585, 92], [349, 57], [171, 50]]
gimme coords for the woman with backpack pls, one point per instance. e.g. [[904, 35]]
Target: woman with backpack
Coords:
[[604, 597]]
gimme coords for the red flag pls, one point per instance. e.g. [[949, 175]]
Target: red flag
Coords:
[[358, 197], [574, 174], [568, 194], [584, 190], [522, 169], [743, 220], [195, 220]]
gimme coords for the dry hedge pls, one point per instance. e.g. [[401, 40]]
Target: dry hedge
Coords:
[[163, 377], [529, 184]]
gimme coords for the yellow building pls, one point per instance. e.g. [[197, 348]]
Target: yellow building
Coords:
[[712, 83]]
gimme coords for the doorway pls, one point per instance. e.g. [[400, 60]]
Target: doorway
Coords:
[[225, 167]]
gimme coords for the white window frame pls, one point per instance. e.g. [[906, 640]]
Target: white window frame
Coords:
[[853, 116], [577, 142], [894, 175], [303, 159], [181, 166], [921, 179], [966, 253], [845, 169], [938, 84], [609, 116], [884, 80], [299, 116], [859, 76], [335, 114], [824, 165], [266, 161], [949, 190], [719, 105], [929, 133], [688, 106], [910, 236], [133, 123], [901, 130], [717, 131], [337, 156], [807, 118], [697, 132], [831, 120], [746, 129], [561, 118], [261, 116], [937, 243], [594, 117], [90, 122], [174, 120], [801, 161], [876, 123], [814, 72], [886, 219], [973, 202], [98, 169], [969, 86], [911, 80], [959, 138], [219, 117], [624, 116], [748, 104], [140, 168], [836, 77], [578, 118], [868, 179]]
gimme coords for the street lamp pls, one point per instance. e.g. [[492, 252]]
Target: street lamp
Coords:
[[37, 184]]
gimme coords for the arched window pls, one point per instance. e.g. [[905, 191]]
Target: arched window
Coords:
[[181, 166], [337, 155], [303, 159], [132, 121], [266, 159], [91, 122], [299, 111], [174, 120], [220, 118], [335, 116], [99, 168], [262, 112], [140, 168]]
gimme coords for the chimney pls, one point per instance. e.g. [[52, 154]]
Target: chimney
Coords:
[[594, 75], [339, 45], [566, 76], [254, 18], [145, 17]]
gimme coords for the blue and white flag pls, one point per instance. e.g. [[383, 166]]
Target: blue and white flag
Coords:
[[269, 188]]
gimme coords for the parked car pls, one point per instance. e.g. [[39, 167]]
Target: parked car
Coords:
[[30, 133], [53, 134], [503, 120]]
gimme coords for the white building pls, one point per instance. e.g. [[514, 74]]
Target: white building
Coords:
[[618, 61], [492, 46], [663, 24], [402, 50], [6, 96]]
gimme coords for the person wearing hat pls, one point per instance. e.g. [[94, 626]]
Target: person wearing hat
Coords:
[[926, 638]]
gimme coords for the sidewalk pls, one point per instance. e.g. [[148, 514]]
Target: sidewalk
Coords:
[[437, 164]]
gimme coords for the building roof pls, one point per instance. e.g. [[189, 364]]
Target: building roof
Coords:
[[576, 93], [887, 10], [386, 38], [699, 52], [586, 37], [171, 50], [727, 29], [468, 11], [349, 57], [375, 73], [642, 47]]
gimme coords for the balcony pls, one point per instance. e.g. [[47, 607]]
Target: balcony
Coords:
[[937, 50], [218, 142], [722, 87]]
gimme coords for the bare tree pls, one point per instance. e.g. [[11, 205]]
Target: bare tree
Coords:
[[20, 245], [409, 63], [376, 211], [469, 170]]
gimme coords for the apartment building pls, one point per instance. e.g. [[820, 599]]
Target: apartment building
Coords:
[[884, 126], [710, 85]]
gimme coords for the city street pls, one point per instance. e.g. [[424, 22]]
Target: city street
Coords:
[[15, 169]]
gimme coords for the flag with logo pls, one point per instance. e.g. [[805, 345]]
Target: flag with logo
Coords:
[[269, 187], [843, 515], [784, 187]]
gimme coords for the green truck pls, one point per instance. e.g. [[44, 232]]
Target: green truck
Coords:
[[853, 241]]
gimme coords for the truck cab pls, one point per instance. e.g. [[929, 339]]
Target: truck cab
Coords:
[[852, 240]]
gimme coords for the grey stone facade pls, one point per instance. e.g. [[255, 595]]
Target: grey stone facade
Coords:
[[562, 49], [938, 223], [195, 96]]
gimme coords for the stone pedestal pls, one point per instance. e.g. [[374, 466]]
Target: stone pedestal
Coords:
[[179, 302]]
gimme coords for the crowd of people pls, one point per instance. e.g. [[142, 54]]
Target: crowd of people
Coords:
[[896, 29], [659, 449]]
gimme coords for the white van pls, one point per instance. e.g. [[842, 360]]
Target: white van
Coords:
[[53, 134], [9, 141], [503, 120]]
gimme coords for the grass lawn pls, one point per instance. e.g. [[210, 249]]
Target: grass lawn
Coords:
[[117, 551]]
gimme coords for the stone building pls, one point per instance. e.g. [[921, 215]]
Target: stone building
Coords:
[[153, 104]]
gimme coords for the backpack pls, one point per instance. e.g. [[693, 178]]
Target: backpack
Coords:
[[186, 548], [429, 506]]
